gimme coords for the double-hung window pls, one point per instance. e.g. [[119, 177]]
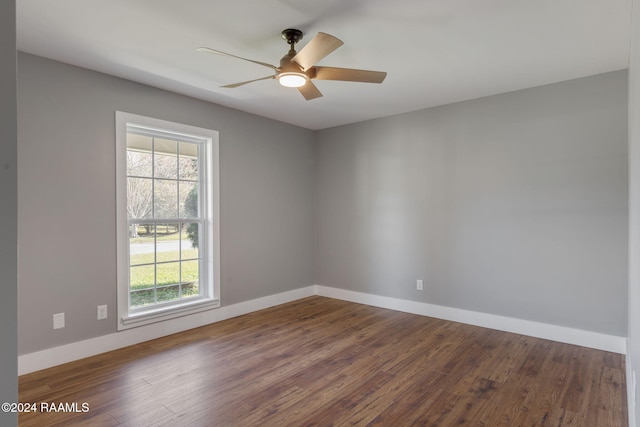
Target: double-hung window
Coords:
[[167, 219]]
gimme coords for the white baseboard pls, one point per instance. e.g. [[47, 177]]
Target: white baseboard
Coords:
[[67, 353], [563, 334], [631, 389], [78, 350]]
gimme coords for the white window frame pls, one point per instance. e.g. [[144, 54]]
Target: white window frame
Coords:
[[210, 194]]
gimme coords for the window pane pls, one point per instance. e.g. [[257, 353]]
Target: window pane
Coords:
[[188, 161], [139, 163], [168, 274], [139, 198], [142, 277], [142, 297], [190, 242], [141, 246], [190, 278], [165, 158], [190, 273], [169, 293], [165, 199], [168, 281], [139, 158], [190, 290], [167, 242], [188, 199]]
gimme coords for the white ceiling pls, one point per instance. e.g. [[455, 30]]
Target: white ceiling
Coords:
[[435, 51]]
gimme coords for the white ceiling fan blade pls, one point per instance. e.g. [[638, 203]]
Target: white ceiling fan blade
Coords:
[[219, 52], [319, 47], [349, 74], [310, 91], [232, 85]]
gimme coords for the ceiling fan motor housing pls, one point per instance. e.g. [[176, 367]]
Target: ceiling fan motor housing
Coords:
[[287, 65]]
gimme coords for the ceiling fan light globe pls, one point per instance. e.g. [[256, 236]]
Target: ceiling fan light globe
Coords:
[[292, 79]]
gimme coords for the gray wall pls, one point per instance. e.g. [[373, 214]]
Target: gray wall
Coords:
[[66, 183], [633, 343], [8, 212], [513, 205]]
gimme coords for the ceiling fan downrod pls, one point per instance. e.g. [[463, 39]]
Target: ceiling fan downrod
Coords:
[[292, 36]]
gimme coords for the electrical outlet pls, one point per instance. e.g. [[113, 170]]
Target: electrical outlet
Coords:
[[58, 321], [102, 312], [419, 285]]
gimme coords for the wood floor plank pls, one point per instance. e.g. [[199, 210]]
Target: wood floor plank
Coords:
[[404, 402], [321, 362]]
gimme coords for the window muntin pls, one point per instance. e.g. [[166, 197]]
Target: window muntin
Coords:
[[168, 252]]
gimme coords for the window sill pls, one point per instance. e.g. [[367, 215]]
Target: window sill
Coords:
[[166, 313]]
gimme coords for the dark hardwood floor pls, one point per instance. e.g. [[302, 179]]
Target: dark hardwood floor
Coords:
[[325, 362]]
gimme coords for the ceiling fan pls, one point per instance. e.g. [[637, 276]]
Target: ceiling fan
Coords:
[[297, 69]]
